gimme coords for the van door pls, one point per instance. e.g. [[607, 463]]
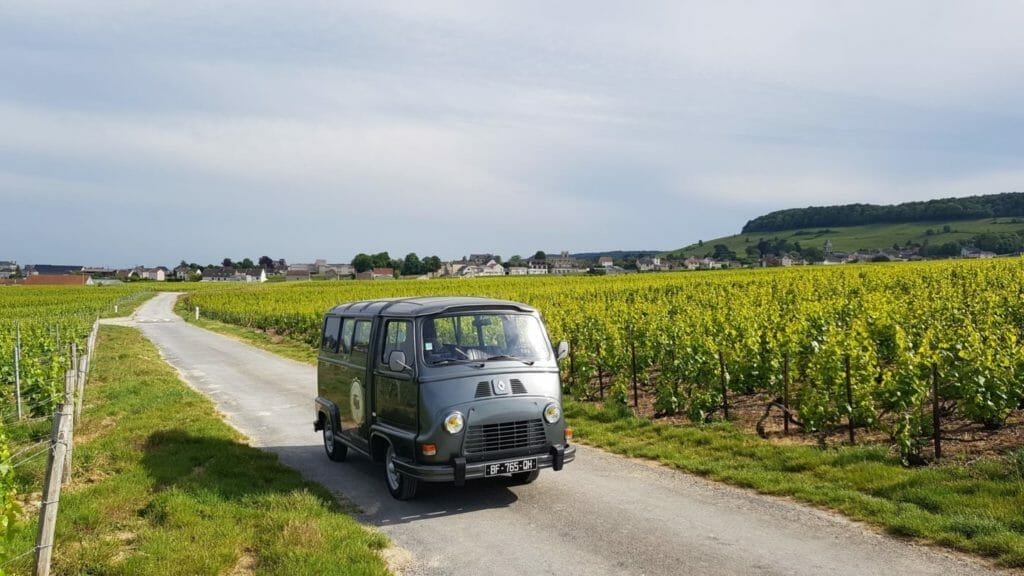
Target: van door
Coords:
[[354, 403], [329, 366], [396, 397]]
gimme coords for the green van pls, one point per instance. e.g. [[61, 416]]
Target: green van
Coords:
[[442, 389]]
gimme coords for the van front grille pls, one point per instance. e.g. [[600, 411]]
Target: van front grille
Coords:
[[483, 389], [505, 436]]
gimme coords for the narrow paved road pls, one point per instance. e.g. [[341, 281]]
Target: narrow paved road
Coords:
[[602, 515]]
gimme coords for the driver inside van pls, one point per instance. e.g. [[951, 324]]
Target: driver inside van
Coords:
[[433, 350]]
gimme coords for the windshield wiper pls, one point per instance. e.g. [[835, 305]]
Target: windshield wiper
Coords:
[[507, 357], [447, 361]]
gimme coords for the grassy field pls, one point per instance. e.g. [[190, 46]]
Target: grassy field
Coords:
[[852, 238], [163, 486]]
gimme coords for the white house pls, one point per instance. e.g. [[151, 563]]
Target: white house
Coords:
[[491, 268], [158, 274], [183, 272], [253, 275], [233, 275], [974, 253], [7, 269]]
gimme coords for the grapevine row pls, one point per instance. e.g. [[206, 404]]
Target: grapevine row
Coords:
[[884, 328]]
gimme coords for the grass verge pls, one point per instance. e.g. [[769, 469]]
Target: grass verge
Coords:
[[280, 345], [162, 485], [974, 507]]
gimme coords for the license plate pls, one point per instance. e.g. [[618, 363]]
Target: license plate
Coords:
[[511, 467]]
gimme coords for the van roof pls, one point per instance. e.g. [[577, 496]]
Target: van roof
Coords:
[[424, 306]]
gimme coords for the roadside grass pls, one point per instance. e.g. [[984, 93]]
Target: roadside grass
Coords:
[[161, 485], [129, 304], [975, 507], [280, 345]]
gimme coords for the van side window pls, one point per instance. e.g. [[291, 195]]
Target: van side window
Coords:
[[396, 337], [346, 335], [361, 342], [329, 343]]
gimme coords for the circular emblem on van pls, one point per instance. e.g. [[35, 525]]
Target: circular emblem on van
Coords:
[[355, 401], [501, 385]]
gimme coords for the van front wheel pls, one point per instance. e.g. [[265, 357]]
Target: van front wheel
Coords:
[[401, 486], [336, 450]]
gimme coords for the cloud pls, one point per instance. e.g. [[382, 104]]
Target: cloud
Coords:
[[458, 128]]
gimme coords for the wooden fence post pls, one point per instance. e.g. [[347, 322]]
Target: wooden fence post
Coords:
[[59, 443], [70, 383]]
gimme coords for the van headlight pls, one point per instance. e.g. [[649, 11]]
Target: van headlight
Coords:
[[453, 423], [552, 413]]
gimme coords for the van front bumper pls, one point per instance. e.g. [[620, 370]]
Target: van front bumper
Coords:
[[459, 470]]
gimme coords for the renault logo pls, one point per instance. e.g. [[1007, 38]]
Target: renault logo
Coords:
[[501, 385]]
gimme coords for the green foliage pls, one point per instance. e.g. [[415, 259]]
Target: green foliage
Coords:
[[972, 207], [9, 507], [892, 322]]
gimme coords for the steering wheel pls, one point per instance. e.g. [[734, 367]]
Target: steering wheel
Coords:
[[471, 354]]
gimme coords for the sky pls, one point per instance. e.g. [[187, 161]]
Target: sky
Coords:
[[151, 132]]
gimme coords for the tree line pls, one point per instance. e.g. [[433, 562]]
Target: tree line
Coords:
[[411, 265], [1009, 204]]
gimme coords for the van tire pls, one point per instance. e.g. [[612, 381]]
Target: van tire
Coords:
[[400, 486], [525, 477], [336, 450]]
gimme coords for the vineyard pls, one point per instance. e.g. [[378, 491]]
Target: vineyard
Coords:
[[41, 323], [41, 329], [882, 349]]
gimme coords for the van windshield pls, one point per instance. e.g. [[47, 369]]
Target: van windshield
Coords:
[[483, 337]]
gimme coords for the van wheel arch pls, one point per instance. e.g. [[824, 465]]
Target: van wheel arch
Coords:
[[336, 449], [379, 447], [400, 486]]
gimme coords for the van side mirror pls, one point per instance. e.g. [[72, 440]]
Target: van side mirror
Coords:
[[563, 350], [396, 361]]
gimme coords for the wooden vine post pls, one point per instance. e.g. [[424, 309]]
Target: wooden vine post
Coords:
[[632, 351], [936, 424], [724, 378], [785, 394], [849, 400]]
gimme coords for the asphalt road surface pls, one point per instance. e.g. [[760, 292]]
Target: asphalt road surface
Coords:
[[603, 514]]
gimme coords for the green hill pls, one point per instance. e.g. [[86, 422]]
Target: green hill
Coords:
[[868, 237], [1003, 205]]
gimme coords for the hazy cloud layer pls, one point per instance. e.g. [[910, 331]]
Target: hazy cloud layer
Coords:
[[151, 132]]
